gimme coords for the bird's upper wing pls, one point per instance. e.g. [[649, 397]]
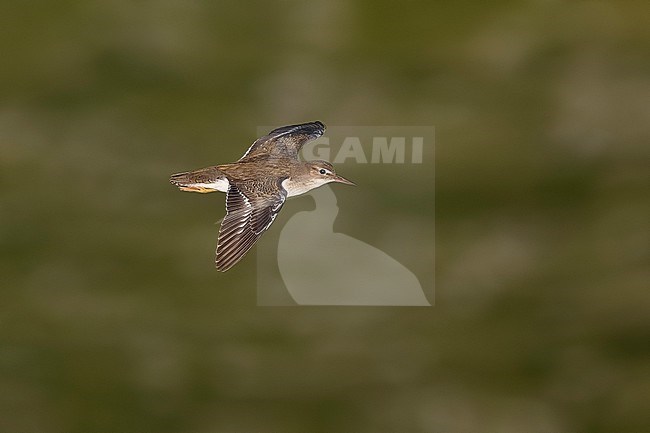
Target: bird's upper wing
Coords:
[[285, 141], [251, 208]]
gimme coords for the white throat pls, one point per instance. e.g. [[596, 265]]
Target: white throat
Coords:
[[296, 188]]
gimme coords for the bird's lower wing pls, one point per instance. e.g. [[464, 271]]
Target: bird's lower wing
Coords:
[[248, 216]]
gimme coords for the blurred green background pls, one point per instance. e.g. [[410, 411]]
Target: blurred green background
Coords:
[[113, 318]]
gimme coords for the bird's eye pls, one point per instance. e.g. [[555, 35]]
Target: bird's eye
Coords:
[[322, 171]]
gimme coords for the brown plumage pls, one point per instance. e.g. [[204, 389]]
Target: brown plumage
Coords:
[[257, 186]]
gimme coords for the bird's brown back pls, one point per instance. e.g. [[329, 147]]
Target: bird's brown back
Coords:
[[260, 168]]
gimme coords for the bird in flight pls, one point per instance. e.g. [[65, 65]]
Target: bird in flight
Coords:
[[257, 186]]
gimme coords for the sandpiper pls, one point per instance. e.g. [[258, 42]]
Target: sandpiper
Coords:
[[257, 186]]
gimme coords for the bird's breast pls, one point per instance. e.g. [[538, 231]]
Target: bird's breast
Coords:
[[294, 188]]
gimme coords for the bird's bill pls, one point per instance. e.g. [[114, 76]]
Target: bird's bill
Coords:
[[341, 179]]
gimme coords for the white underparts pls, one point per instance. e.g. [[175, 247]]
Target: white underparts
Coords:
[[218, 185]]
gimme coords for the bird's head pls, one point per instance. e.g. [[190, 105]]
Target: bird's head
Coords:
[[323, 172]]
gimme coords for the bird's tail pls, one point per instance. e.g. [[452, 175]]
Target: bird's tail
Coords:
[[204, 180]]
